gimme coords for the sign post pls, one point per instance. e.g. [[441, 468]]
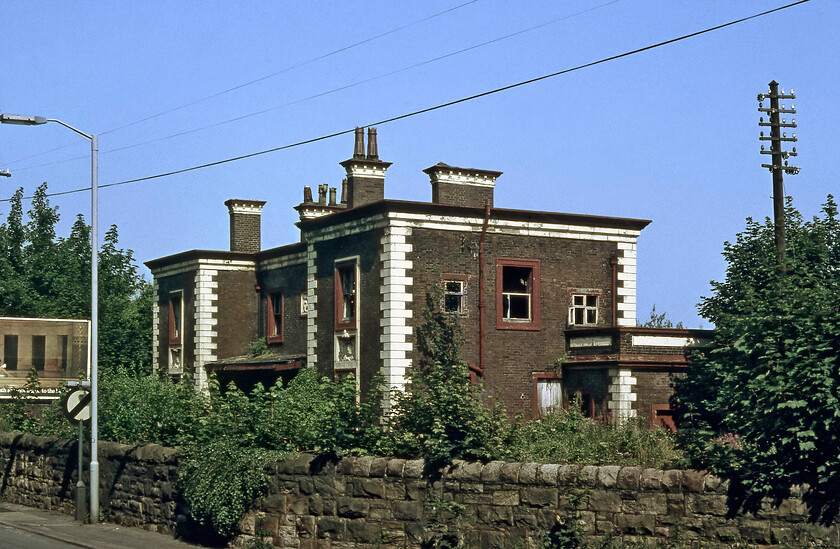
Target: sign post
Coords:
[[77, 409]]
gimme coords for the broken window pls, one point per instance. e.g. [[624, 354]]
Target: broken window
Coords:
[[345, 295], [517, 294], [274, 320], [454, 295]]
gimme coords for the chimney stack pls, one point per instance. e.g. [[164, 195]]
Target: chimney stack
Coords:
[[365, 173], [462, 186], [245, 225]]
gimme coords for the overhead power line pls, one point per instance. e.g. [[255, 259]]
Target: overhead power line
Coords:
[[335, 90], [262, 78], [439, 106]]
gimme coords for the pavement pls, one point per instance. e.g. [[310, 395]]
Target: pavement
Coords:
[[25, 527]]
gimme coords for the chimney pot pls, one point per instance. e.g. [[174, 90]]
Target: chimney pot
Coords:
[[307, 194], [359, 149], [373, 147], [344, 191], [322, 193], [332, 196]]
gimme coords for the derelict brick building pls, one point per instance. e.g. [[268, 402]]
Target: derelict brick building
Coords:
[[528, 287]]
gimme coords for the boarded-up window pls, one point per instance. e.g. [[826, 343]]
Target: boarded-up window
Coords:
[[662, 415], [549, 396]]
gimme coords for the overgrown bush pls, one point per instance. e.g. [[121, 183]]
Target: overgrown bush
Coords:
[[311, 414], [441, 416], [148, 409], [567, 436], [219, 480]]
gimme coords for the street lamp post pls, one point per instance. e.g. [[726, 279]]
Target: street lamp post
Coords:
[[94, 297]]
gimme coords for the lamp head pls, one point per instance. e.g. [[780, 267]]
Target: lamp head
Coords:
[[22, 120]]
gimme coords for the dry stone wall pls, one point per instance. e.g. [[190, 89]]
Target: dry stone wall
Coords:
[[380, 502]]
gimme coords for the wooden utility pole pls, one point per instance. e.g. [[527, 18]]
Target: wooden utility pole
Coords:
[[779, 157]]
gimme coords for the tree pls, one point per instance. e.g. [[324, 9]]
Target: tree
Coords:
[[46, 276], [659, 321], [761, 404]]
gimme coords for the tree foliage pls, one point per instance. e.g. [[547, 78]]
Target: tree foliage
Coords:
[[761, 403], [48, 276], [659, 321]]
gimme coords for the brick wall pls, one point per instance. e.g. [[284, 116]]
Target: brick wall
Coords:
[[245, 233], [291, 281], [461, 195], [368, 502], [166, 285], [237, 317], [566, 267], [652, 387], [366, 246]]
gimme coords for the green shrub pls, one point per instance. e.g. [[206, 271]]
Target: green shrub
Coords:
[[441, 416], [148, 409], [220, 479], [22, 413], [259, 347], [311, 414]]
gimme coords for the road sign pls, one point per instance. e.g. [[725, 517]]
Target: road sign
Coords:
[[77, 405]]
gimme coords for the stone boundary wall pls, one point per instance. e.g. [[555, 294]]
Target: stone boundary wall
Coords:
[[137, 483], [380, 502]]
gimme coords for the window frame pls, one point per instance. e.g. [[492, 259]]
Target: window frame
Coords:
[[342, 322], [532, 324], [462, 296], [273, 332], [585, 307], [176, 336]]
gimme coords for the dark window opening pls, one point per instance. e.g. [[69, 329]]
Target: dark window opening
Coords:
[[584, 310], [10, 352], [176, 326], [453, 297], [39, 352], [345, 295], [63, 346], [516, 293], [275, 317]]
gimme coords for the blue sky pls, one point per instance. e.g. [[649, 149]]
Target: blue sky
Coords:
[[670, 134]]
